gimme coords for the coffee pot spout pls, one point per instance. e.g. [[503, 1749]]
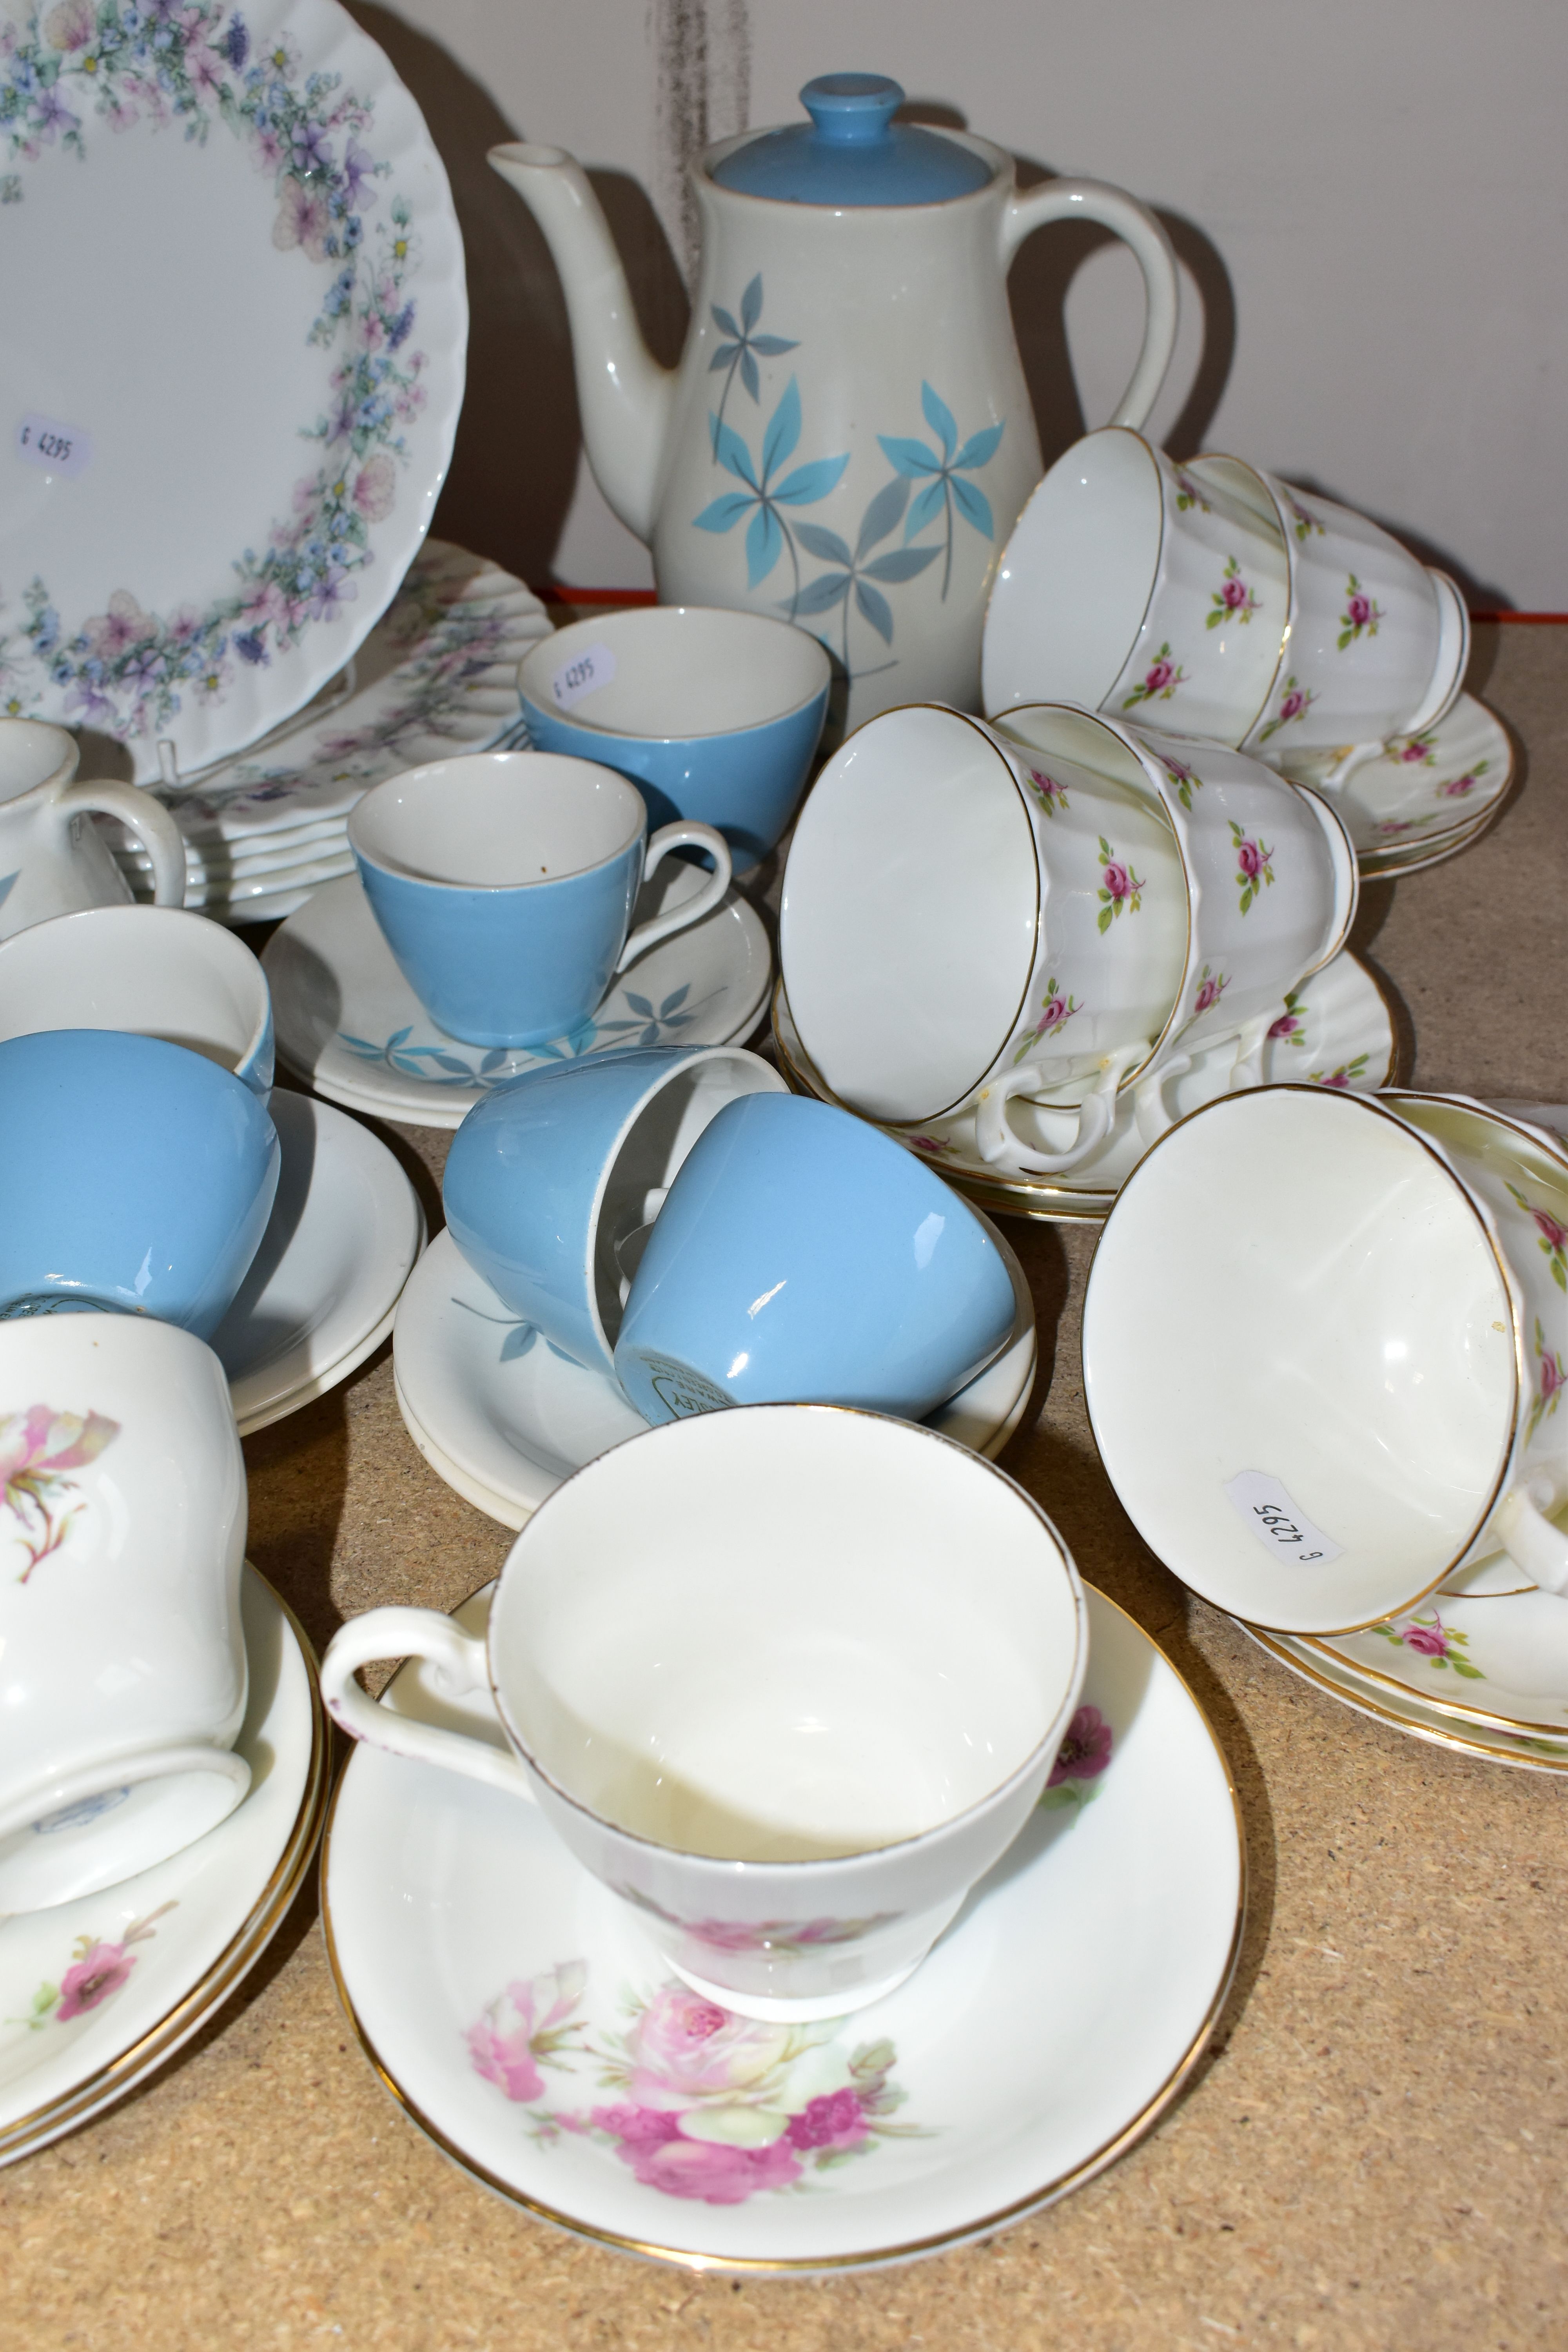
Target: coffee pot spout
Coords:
[[626, 398]]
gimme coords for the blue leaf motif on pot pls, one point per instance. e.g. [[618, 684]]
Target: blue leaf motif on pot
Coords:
[[742, 345], [941, 472], [855, 572], [768, 535]]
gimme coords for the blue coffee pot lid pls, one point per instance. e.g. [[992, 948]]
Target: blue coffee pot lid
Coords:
[[852, 153]]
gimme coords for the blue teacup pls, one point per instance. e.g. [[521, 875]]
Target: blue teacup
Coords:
[[802, 1257], [504, 884], [136, 1176], [552, 1182], [714, 715]]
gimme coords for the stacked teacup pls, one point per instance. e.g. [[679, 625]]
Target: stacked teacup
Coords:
[[1342, 1393], [1057, 906], [1215, 601], [136, 1184]]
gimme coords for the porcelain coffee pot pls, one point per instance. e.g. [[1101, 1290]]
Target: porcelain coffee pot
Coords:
[[847, 438], [52, 861]]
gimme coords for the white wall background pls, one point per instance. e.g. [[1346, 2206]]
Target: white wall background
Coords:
[[1370, 198]]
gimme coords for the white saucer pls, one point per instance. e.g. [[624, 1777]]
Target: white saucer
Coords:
[[95, 1995], [503, 1416], [1334, 1031], [1393, 1703], [349, 1023], [1439, 788], [345, 1230], [1047, 2033], [1499, 1660]]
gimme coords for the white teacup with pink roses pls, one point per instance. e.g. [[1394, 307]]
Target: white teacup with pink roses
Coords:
[[787, 1679]]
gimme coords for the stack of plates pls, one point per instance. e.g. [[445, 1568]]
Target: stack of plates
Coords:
[[1426, 798], [437, 676]]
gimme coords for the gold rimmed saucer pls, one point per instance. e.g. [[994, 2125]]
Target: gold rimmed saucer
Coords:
[[185, 1933], [1395, 1703]]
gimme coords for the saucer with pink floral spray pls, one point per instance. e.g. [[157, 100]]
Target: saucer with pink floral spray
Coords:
[[516, 2011]]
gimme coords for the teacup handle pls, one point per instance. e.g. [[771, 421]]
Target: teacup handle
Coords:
[[461, 1664], [1347, 877], [1136, 227], [678, 836], [999, 1146], [148, 819], [1532, 1541]]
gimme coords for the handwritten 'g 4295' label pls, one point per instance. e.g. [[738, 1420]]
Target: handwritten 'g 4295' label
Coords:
[[584, 674], [1275, 1520], [55, 447]]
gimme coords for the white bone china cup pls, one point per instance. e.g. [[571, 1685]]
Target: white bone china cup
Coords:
[[953, 909], [1378, 642], [1127, 586], [122, 1516], [154, 970], [1272, 886], [1345, 1384], [791, 1738], [52, 859]]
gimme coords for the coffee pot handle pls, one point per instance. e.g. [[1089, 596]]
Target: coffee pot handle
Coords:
[[461, 1663], [1135, 226], [148, 819]]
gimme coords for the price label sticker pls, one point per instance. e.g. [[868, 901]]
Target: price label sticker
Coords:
[[53, 446], [1275, 1520], [584, 674]]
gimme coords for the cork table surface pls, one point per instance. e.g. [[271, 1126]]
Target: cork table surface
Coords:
[[1371, 2155]]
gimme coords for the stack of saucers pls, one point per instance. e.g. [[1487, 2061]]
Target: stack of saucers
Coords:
[[436, 675], [1335, 1412]]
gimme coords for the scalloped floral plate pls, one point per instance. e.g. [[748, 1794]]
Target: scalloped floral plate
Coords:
[[1333, 1031], [219, 466], [503, 1417], [513, 2007], [351, 1026], [98, 1993], [437, 676]]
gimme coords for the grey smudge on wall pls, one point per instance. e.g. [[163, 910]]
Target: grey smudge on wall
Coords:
[[702, 56]]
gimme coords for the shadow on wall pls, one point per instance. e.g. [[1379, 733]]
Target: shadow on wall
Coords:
[[515, 462]]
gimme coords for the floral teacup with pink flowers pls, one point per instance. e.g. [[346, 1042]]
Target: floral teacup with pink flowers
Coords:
[[783, 1732], [1347, 1385], [1121, 548]]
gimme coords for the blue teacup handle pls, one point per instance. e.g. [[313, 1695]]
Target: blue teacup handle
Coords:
[[678, 837]]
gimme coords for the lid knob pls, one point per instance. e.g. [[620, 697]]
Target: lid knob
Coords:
[[852, 109]]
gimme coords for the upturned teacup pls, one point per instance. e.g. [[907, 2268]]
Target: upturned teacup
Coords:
[[152, 969], [137, 1178], [1130, 587], [1272, 886], [504, 884], [714, 715], [1346, 1383], [122, 1516], [553, 1182], [802, 1255], [955, 910], [791, 1737]]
